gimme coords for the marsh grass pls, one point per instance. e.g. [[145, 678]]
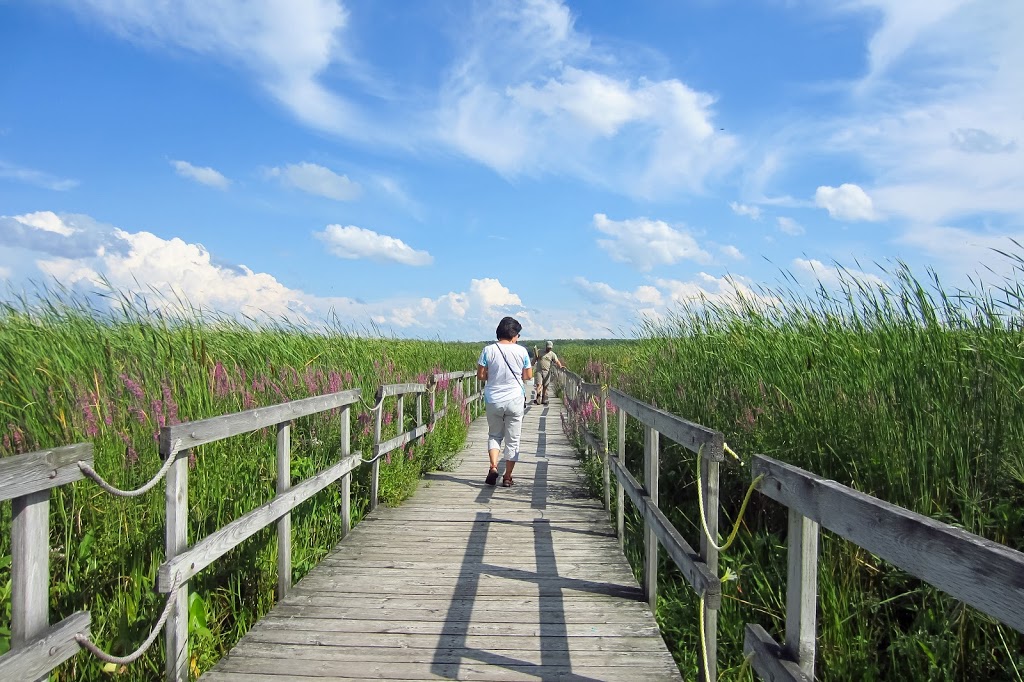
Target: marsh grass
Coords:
[[907, 393], [70, 373]]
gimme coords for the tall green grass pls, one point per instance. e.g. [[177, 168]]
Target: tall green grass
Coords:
[[909, 393], [70, 373]]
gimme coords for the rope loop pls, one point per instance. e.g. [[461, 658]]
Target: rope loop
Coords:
[[91, 473], [99, 653]]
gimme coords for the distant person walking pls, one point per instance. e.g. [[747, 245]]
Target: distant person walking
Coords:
[[505, 367], [544, 363]]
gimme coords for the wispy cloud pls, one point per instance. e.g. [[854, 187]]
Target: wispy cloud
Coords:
[[732, 252], [34, 177], [315, 179], [554, 112], [204, 175], [353, 243], [645, 244], [832, 275], [789, 226], [752, 212]]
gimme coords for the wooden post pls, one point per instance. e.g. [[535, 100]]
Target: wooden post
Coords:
[[284, 524], [30, 568], [604, 455], [175, 542], [708, 552], [375, 467], [650, 539], [620, 514], [400, 414], [802, 591], [346, 480], [419, 413]]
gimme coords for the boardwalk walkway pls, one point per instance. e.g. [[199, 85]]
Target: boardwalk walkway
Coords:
[[465, 581]]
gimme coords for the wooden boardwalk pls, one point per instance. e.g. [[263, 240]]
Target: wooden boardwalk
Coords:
[[470, 582]]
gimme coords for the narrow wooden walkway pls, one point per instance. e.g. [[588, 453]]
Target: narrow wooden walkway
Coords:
[[470, 582]]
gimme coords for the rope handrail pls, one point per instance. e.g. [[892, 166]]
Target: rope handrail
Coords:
[[118, 492], [87, 643]]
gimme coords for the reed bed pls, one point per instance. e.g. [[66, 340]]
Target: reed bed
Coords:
[[70, 372], [905, 392]]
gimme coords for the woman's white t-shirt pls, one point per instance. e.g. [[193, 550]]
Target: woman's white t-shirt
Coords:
[[504, 384]]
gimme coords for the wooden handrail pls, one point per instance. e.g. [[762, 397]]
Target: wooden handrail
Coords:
[[26, 480], [183, 562]]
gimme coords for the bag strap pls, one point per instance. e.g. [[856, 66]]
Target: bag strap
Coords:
[[518, 378]]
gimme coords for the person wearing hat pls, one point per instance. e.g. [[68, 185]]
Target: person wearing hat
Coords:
[[544, 363]]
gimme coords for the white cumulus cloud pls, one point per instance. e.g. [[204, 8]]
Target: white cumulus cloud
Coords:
[[201, 174], [732, 252], [315, 179], [352, 243], [646, 244], [848, 202]]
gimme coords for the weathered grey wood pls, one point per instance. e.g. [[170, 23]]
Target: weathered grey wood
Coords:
[[346, 480], [399, 389], [36, 657], [709, 473], [284, 524], [604, 450], [802, 591], [186, 564], [42, 470], [982, 573], [30, 567], [620, 514], [768, 657], [651, 474], [399, 440], [685, 557], [375, 465], [708, 442], [176, 542], [176, 439], [469, 581]]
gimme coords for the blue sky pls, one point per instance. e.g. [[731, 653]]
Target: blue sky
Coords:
[[427, 167]]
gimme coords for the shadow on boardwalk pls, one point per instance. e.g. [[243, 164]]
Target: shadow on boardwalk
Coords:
[[469, 581]]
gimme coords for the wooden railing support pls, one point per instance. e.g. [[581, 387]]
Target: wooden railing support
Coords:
[[604, 450], [284, 524], [620, 497], [375, 467], [345, 424], [176, 542], [651, 461], [709, 482], [802, 591], [30, 567]]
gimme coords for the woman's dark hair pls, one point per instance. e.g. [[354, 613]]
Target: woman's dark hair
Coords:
[[508, 328]]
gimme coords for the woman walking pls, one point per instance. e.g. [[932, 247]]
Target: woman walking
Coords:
[[505, 367]]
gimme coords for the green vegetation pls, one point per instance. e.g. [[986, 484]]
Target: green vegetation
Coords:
[[69, 374], [909, 394]]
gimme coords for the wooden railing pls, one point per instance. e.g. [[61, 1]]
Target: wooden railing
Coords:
[[984, 574], [183, 562], [700, 568], [37, 648], [26, 480]]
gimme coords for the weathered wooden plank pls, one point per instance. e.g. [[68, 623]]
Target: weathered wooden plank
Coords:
[[42, 469], [284, 524], [768, 660], [399, 440], [802, 591], [399, 389], [556, 613], [176, 542], [651, 474], [982, 573], [386, 627], [30, 567], [653, 644], [180, 437], [206, 551], [688, 434], [686, 559], [38, 656], [709, 474]]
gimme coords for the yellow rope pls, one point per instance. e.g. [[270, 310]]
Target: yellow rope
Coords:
[[739, 518]]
